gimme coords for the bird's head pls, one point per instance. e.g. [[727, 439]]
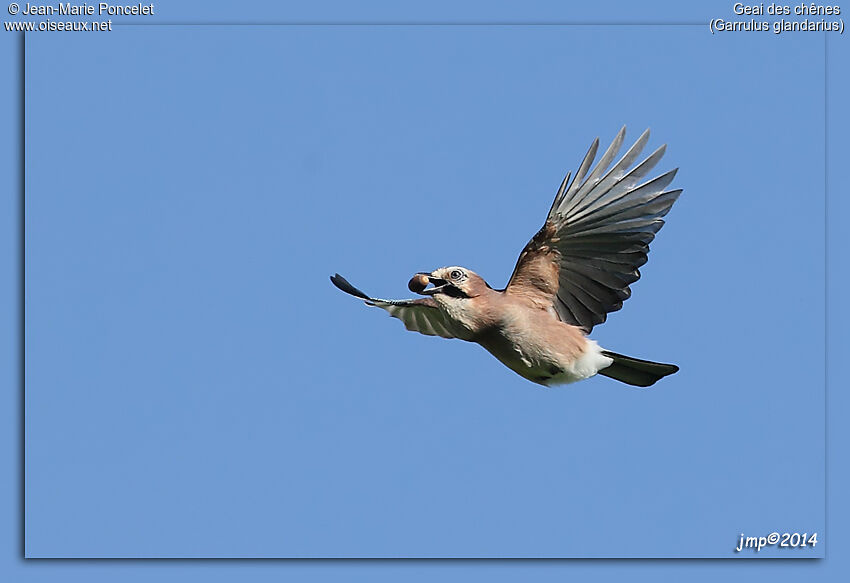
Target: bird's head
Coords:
[[456, 282]]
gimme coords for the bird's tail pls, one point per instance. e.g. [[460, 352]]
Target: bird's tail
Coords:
[[633, 371]]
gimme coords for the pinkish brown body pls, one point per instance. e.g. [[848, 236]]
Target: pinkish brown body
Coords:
[[522, 333]]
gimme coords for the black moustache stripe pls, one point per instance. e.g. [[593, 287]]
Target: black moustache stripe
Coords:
[[454, 292]]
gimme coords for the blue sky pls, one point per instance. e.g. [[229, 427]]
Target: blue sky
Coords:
[[195, 386]]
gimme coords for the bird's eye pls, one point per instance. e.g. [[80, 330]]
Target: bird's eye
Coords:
[[456, 274]]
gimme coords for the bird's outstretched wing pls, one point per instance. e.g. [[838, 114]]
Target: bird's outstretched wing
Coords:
[[597, 234], [419, 315]]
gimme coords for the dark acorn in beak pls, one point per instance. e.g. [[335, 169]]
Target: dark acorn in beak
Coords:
[[418, 283]]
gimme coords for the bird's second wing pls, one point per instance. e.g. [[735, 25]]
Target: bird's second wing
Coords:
[[597, 234], [421, 315]]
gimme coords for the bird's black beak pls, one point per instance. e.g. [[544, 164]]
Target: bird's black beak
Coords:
[[438, 283]]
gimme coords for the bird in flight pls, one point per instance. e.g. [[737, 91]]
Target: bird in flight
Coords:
[[573, 272]]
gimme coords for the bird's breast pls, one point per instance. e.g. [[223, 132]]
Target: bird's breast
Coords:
[[471, 315], [543, 349]]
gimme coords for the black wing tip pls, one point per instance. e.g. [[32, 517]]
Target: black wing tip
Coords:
[[643, 135], [674, 194], [342, 284]]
